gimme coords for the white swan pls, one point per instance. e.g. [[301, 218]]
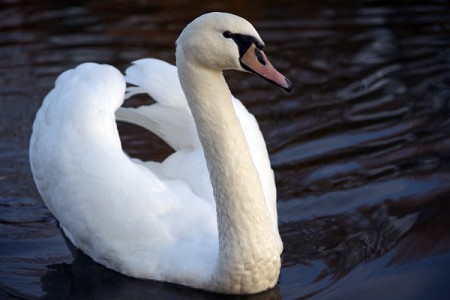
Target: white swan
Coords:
[[163, 221]]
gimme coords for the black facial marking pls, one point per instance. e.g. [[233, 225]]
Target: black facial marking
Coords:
[[259, 45], [243, 41], [260, 57]]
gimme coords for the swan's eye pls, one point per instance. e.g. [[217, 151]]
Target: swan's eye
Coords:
[[227, 34]]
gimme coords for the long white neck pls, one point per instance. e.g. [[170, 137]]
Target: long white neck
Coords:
[[247, 241]]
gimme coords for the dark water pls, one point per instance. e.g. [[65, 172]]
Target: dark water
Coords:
[[361, 148]]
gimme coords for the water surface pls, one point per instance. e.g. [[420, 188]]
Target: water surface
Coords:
[[360, 148]]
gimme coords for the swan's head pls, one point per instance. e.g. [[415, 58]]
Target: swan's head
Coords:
[[222, 41]]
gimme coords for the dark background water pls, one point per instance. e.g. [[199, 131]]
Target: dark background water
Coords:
[[361, 148]]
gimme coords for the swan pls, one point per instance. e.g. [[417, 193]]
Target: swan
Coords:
[[206, 216]]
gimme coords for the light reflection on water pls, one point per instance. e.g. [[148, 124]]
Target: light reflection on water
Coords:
[[360, 148]]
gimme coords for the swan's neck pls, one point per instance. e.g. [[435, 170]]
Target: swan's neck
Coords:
[[247, 241]]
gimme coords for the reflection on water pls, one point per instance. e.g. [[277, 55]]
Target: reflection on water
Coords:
[[360, 148], [83, 278]]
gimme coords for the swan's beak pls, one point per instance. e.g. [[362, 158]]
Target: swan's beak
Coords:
[[255, 61]]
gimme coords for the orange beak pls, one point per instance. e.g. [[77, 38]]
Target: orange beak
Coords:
[[255, 61]]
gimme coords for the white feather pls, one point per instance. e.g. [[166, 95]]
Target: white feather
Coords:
[[147, 220]]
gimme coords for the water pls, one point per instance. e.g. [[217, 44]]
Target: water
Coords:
[[360, 148]]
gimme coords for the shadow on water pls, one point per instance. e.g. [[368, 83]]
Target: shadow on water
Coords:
[[360, 149], [84, 278]]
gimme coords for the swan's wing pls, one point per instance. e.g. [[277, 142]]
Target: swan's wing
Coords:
[[122, 214], [171, 119], [260, 156], [157, 78]]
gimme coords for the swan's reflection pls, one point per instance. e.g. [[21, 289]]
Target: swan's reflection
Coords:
[[85, 279], [341, 242], [318, 253]]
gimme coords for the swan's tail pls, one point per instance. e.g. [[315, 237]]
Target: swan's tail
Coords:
[[170, 117]]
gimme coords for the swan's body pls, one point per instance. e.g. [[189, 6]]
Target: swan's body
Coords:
[[205, 217]]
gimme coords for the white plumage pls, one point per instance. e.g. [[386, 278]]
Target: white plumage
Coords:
[[159, 220]]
